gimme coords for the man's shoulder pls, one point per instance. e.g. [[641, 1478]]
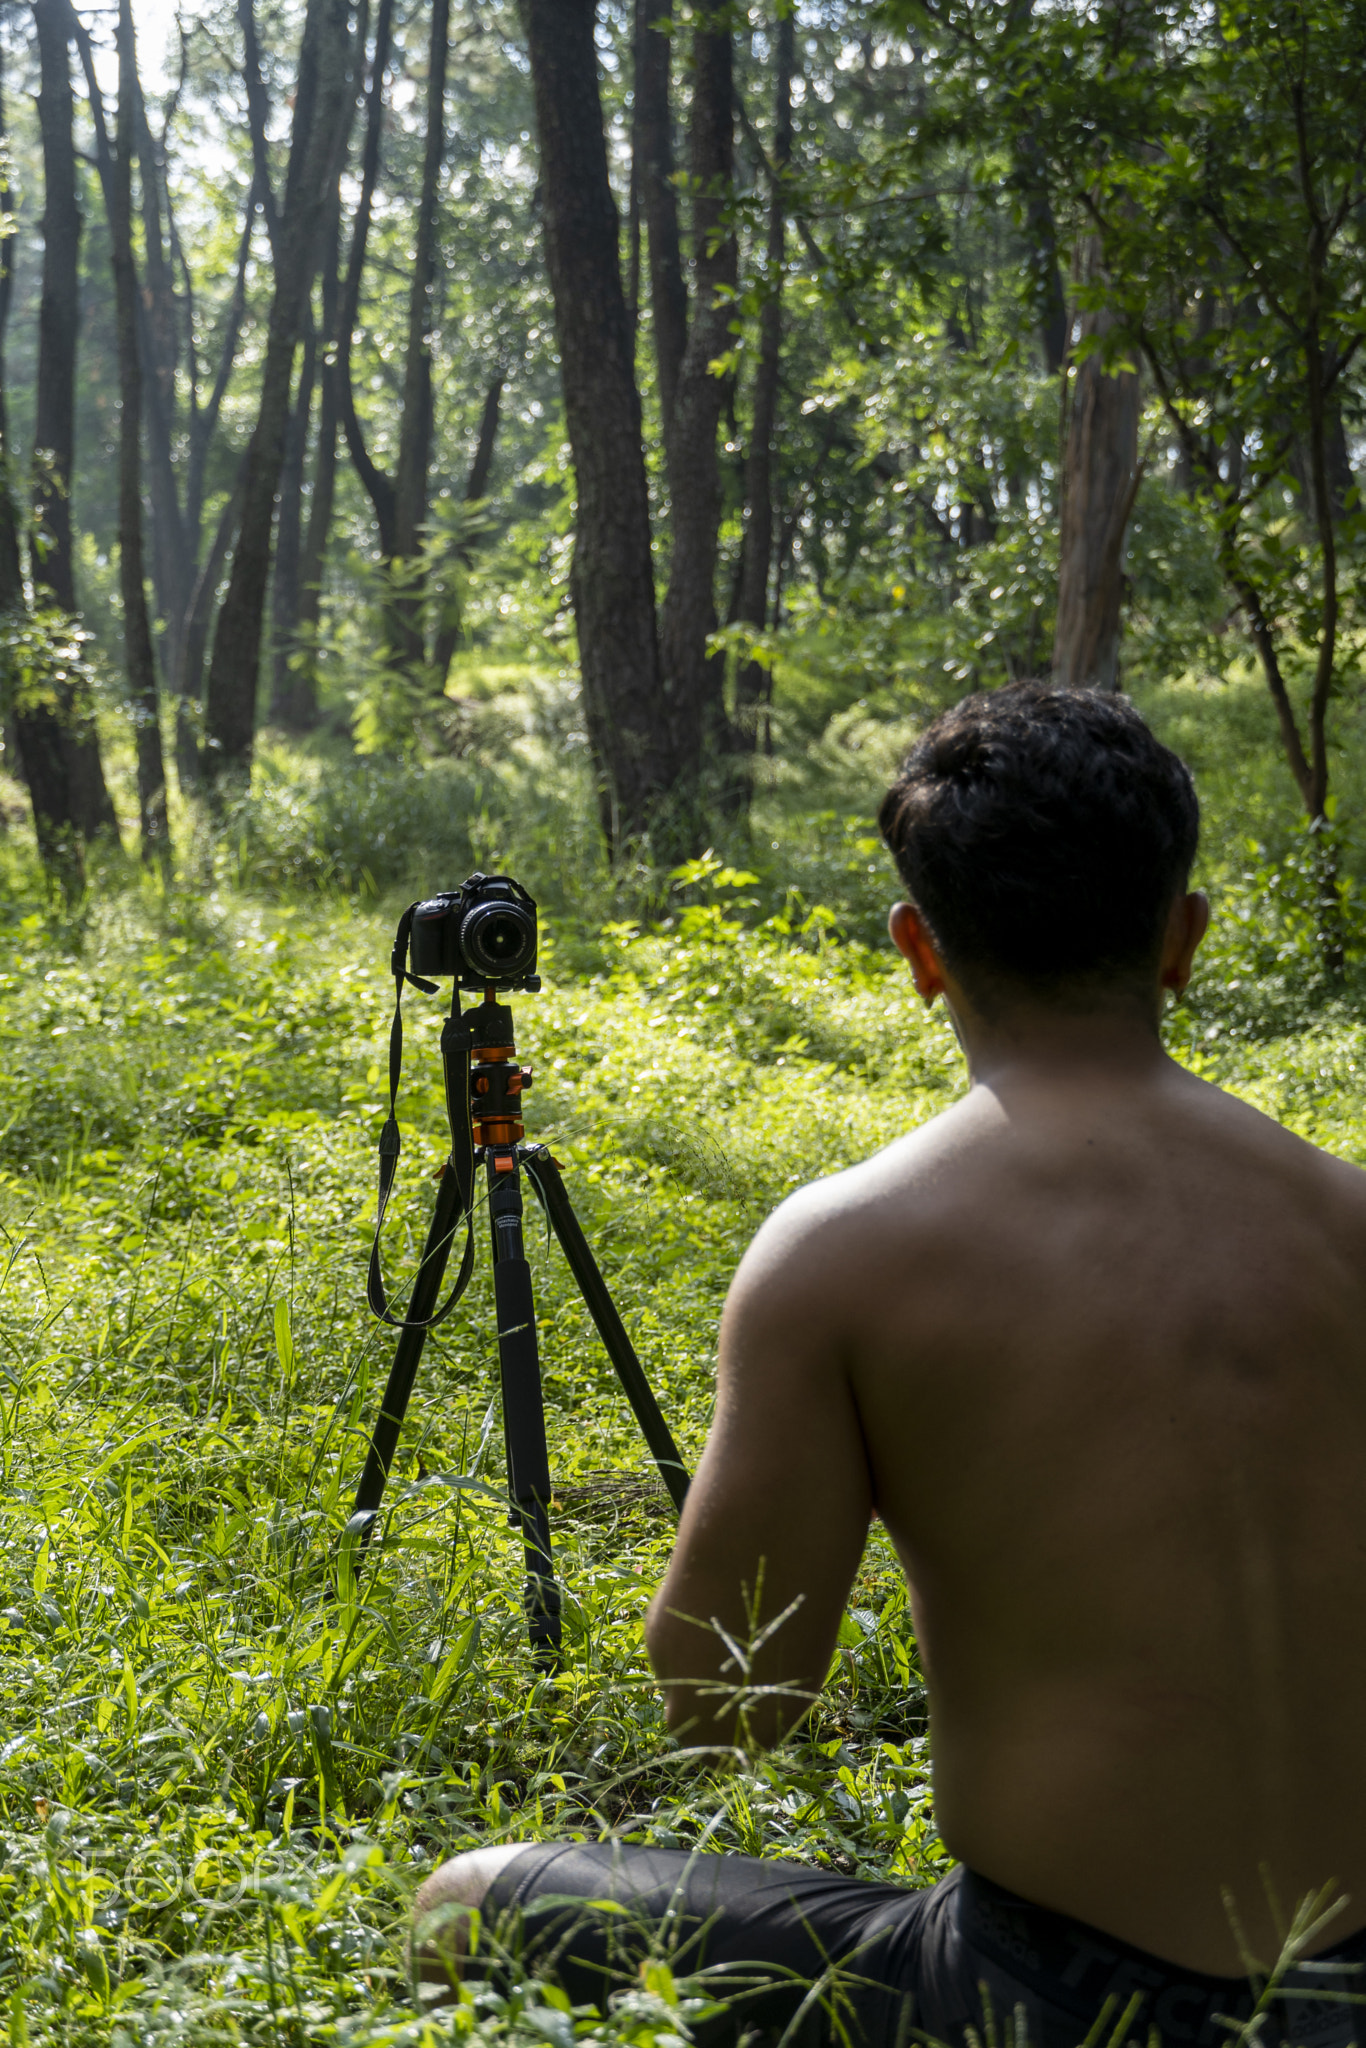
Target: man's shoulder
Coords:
[[1268, 1150], [820, 1229]]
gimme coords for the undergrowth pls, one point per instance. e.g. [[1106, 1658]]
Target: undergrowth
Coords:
[[224, 1767]]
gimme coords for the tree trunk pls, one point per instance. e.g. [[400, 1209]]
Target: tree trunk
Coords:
[[400, 501], [1099, 483], [285, 585], [695, 679], [139, 658], [653, 155], [754, 683], [36, 726], [180, 589], [258, 121], [194, 640], [1045, 272], [318, 130], [173, 547], [302, 708], [447, 634], [613, 575], [285, 590], [415, 433], [55, 406], [378, 487]]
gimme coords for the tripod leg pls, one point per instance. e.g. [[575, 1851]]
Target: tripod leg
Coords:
[[546, 1175], [408, 1354], [523, 1405]]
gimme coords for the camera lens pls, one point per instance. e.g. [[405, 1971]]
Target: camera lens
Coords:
[[499, 940]]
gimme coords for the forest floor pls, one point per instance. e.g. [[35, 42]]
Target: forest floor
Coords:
[[223, 1774]]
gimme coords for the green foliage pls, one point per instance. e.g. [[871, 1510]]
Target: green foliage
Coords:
[[45, 662]]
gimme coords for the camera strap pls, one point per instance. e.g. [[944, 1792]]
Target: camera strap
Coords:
[[456, 1051]]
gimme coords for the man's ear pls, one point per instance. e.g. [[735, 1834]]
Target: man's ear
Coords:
[[911, 937], [1186, 926]]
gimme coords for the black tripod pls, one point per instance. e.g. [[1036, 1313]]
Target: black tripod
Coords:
[[484, 1086]]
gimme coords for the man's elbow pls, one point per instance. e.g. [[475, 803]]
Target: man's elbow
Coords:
[[683, 1658], [709, 1704]]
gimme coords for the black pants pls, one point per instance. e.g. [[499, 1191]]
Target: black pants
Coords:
[[834, 1959]]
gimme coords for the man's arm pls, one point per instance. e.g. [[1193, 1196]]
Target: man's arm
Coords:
[[778, 1514]]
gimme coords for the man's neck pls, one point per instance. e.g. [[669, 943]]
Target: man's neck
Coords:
[[1052, 1044]]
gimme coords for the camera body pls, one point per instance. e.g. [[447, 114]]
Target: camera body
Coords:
[[483, 933]]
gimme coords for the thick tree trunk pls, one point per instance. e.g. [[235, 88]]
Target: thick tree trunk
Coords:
[[319, 127], [653, 157], [1099, 483], [695, 679], [55, 407], [139, 658], [613, 575], [753, 684]]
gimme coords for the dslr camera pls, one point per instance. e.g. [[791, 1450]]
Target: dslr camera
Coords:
[[483, 933]]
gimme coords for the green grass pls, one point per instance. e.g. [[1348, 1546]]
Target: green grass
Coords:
[[220, 1784], [222, 1778]]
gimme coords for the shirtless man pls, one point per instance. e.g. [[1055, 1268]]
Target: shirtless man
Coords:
[[1093, 1344]]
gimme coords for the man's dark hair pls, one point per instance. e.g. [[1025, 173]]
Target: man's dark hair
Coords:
[[1043, 835]]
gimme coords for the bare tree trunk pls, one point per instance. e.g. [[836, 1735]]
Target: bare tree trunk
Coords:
[[415, 434], [1047, 273], [302, 709], [653, 155], [1044, 269], [613, 575], [378, 487], [194, 641], [286, 587], [284, 600], [183, 594], [55, 409], [1099, 483], [695, 679], [137, 628], [447, 632], [318, 129], [172, 545], [258, 122], [35, 725], [400, 501], [61, 225], [481, 463], [754, 683]]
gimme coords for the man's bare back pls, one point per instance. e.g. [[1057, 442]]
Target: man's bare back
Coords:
[[1093, 1342]]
